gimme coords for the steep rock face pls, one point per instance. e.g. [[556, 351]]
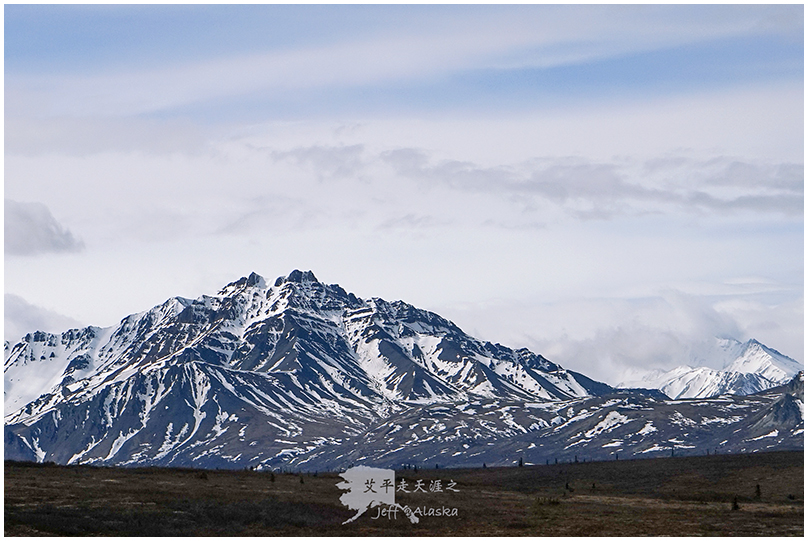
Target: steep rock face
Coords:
[[255, 374]]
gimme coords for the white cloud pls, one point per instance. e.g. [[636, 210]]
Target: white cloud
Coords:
[[20, 318], [96, 134], [361, 199], [601, 190], [615, 339], [31, 229]]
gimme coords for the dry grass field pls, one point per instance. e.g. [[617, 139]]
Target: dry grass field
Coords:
[[683, 496]]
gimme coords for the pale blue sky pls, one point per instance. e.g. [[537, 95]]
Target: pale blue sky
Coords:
[[610, 186], [612, 55]]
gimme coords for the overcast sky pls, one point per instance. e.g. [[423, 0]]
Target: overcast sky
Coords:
[[612, 187]]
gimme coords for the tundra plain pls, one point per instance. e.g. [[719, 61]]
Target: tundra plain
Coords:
[[760, 494]]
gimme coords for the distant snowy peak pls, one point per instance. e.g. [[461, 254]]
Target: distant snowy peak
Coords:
[[749, 367], [756, 358]]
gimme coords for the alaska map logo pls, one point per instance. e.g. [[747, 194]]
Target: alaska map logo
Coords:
[[369, 488]]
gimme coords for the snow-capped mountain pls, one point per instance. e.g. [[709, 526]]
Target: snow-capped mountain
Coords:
[[748, 368], [251, 371], [303, 374]]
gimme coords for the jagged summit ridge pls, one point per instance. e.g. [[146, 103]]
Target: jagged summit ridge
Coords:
[[298, 277]]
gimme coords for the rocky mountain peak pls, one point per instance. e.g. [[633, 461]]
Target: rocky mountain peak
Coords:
[[254, 280], [298, 277]]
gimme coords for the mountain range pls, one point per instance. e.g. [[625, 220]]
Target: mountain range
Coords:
[[301, 374]]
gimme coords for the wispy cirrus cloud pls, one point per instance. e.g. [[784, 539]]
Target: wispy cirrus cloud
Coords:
[[430, 46], [596, 189]]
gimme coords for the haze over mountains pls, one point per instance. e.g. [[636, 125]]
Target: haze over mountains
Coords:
[[298, 373], [748, 368]]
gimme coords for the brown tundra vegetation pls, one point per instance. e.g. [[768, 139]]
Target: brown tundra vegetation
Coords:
[[740, 495]]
